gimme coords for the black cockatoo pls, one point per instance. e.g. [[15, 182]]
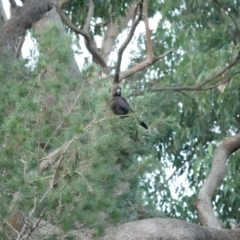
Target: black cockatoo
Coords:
[[120, 105]]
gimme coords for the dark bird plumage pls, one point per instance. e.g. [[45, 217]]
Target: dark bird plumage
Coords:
[[120, 105]]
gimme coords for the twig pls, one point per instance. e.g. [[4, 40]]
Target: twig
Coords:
[[86, 181], [62, 122], [54, 181], [44, 196], [37, 79], [35, 225], [50, 159]]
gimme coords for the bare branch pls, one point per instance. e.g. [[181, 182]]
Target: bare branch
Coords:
[[89, 15], [236, 60], [51, 158], [150, 58], [142, 65], [62, 122], [135, 22], [89, 44], [148, 33], [199, 87], [203, 203], [223, 82]]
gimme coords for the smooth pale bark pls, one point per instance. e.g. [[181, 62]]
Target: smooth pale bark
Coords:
[[155, 229], [214, 179]]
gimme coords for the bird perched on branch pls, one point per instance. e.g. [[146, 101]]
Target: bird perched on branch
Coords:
[[120, 105]]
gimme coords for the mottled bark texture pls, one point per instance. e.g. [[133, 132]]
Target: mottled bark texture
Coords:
[[22, 19]]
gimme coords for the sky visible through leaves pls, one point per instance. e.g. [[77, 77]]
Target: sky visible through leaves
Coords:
[[29, 51]]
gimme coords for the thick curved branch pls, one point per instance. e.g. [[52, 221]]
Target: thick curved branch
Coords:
[[88, 22], [21, 20], [135, 22], [89, 44], [203, 203]]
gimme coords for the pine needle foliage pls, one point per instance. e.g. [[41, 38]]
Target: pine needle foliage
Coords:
[[96, 178]]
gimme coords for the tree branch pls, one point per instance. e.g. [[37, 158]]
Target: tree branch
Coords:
[[236, 60], [203, 203], [135, 22], [113, 29], [142, 65], [89, 44], [89, 15], [199, 87], [148, 33], [150, 58], [21, 20]]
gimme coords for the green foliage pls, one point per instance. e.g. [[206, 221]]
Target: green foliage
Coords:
[[95, 178], [205, 40], [110, 169]]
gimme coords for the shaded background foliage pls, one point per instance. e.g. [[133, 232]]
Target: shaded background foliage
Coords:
[[160, 173], [205, 39]]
